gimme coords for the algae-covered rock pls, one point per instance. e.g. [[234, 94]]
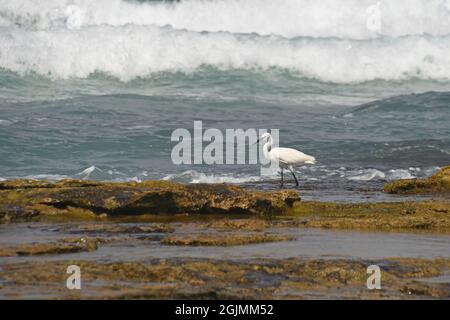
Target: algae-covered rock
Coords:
[[89, 199], [114, 228], [438, 183], [187, 278], [253, 224], [60, 247], [408, 215], [223, 239]]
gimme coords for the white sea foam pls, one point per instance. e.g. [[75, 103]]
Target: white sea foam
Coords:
[[5, 122], [367, 175], [396, 174], [320, 173], [49, 177], [139, 51], [86, 173], [317, 173], [315, 39], [288, 18], [390, 175], [193, 176]]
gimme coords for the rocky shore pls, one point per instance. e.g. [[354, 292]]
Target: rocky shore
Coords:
[[220, 279], [30, 199], [438, 183], [77, 221]]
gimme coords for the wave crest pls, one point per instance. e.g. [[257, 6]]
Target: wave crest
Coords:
[[139, 51], [287, 18]]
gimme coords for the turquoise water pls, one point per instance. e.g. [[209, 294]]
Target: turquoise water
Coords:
[[93, 93]]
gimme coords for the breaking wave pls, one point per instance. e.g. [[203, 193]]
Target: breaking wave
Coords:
[[134, 51], [326, 40], [287, 18]]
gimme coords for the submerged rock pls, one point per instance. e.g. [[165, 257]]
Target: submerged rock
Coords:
[[60, 247], [224, 239], [114, 228], [89, 199], [438, 183], [253, 224], [408, 215]]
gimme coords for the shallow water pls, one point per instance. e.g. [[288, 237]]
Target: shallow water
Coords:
[[333, 190], [307, 243]]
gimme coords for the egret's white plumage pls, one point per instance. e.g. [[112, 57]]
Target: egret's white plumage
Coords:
[[287, 158]]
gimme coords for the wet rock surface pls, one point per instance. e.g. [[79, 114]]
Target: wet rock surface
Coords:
[[113, 228], [218, 279], [229, 258], [28, 199], [70, 245], [224, 239], [391, 216]]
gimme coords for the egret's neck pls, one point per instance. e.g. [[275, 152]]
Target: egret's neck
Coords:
[[267, 147]]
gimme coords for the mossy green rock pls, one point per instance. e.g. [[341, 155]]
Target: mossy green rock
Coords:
[[89, 199], [438, 183]]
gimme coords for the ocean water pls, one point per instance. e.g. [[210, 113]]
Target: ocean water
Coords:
[[93, 89]]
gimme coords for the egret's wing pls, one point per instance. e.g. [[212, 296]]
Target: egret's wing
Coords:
[[290, 156]]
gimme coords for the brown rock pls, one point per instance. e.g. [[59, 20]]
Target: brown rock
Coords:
[[89, 200], [60, 247], [438, 183], [223, 239]]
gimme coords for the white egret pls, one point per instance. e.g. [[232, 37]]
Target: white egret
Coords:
[[287, 158]]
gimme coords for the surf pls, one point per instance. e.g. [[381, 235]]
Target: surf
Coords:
[[132, 51], [286, 18]]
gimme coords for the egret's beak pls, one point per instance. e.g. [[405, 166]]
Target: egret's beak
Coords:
[[257, 141]]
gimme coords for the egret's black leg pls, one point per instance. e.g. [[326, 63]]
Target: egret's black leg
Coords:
[[281, 186], [295, 178]]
